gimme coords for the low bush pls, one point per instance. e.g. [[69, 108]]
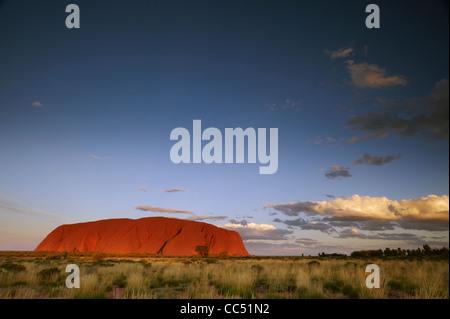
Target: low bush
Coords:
[[120, 281], [11, 267], [47, 273]]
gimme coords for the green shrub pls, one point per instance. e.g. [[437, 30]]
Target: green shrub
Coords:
[[18, 283], [271, 295], [313, 295], [257, 268], [350, 291], [11, 267], [261, 285], [334, 285], [179, 284], [89, 295], [103, 263], [120, 281], [55, 256], [302, 291], [402, 285], [228, 291], [47, 273], [313, 263]]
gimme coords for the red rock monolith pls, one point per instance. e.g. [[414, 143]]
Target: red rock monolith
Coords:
[[157, 235]]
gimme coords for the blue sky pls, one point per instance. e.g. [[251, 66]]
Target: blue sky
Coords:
[[362, 115]]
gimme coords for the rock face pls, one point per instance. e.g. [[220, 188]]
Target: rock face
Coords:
[[158, 235]]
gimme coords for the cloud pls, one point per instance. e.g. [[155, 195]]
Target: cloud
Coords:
[[330, 196], [304, 224], [345, 108], [241, 222], [192, 216], [424, 213], [163, 210], [327, 140], [372, 76], [17, 208], [98, 157], [37, 104], [367, 159], [307, 242], [253, 231], [396, 236], [426, 116], [339, 53], [173, 190], [335, 171], [143, 188], [287, 104], [212, 217], [376, 135], [290, 104], [246, 216], [407, 238], [351, 233], [372, 225]]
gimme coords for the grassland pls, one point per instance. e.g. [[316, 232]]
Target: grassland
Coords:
[[29, 275]]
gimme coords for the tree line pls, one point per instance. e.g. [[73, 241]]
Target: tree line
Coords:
[[425, 251]]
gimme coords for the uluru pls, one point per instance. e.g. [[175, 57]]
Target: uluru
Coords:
[[155, 235]]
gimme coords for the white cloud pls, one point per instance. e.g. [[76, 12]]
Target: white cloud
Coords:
[[257, 231], [98, 157]]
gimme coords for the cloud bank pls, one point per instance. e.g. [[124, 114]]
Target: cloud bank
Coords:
[[369, 213]]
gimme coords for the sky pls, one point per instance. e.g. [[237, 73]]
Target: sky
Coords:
[[362, 117]]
